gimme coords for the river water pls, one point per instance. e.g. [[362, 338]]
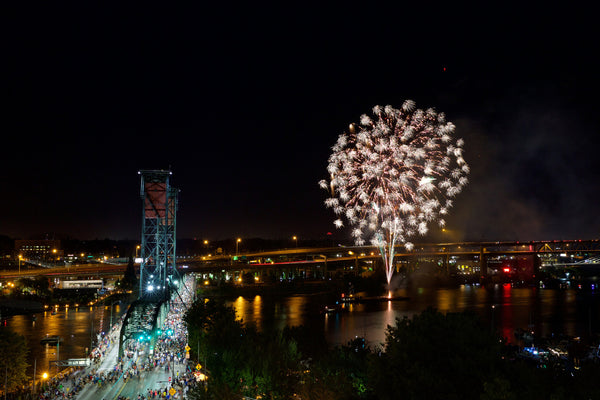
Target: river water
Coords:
[[77, 327], [503, 308]]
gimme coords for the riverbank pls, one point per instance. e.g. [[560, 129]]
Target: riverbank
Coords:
[[17, 307], [20, 306]]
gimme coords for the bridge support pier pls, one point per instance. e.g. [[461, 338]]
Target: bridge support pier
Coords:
[[483, 270]]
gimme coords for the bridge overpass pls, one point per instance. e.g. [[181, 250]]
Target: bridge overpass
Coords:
[[75, 270], [481, 254], [555, 252]]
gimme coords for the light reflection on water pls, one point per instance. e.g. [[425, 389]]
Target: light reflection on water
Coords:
[[545, 311], [73, 325]]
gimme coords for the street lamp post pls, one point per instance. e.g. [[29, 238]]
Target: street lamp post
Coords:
[[137, 248], [57, 356], [20, 258], [237, 242], [92, 332], [295, 239], [34, 367], [44, 377]]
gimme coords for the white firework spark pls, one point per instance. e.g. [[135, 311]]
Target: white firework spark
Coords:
[[393, 175]]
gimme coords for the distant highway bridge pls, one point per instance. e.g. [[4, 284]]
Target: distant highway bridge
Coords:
[[479, 252], [483, 251]]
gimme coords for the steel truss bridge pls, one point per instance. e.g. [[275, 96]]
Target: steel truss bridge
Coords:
[[159, 277]]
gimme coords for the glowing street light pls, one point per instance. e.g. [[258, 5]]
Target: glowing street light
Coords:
[[137, 248], [44, 377], [295, 239], [20, 258], [237, 243]]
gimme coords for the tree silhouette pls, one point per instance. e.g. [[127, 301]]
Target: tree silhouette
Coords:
[[436, 356], [13, 359], [130, 278]]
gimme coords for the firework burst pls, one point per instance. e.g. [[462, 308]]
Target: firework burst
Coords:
[[394, 175]]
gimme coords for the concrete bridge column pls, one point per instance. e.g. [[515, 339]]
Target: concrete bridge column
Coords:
[[483, 270], [537, 262], [324, 270], [447, 264]]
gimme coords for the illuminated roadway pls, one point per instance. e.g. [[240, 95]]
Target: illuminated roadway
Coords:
[[330, 254], [75, 270]]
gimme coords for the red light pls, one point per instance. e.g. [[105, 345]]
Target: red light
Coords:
[[506, 270]]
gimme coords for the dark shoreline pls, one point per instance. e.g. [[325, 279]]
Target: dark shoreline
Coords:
[[9, 307]]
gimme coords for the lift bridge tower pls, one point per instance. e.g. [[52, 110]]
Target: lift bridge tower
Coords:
[[157, 269]]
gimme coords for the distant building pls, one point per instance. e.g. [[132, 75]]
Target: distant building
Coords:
[[82, 284], [38, 249]]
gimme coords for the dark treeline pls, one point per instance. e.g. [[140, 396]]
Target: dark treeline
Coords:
[[431, 356]]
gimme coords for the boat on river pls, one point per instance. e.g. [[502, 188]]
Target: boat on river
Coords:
[[333, 308], [54, 339]]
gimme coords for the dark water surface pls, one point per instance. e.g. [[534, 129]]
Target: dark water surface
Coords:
[[76, 326], [503, 308]]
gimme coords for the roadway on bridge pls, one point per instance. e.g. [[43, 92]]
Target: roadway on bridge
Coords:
[[82, 269], [139, 372]]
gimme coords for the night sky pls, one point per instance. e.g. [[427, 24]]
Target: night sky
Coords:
[[244, 104]]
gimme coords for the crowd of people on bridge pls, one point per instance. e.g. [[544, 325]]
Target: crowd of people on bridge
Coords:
[[167, 355]]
